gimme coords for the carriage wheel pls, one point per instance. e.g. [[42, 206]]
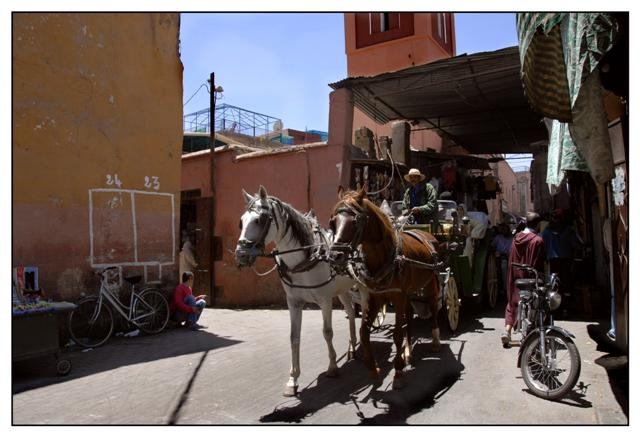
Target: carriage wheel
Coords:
[[377, 322], [491, 281], [452, 303]]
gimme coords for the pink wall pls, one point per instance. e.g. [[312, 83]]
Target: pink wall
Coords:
[[304, 177]]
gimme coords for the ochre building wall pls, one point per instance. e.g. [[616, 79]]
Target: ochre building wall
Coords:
[[97, 134]]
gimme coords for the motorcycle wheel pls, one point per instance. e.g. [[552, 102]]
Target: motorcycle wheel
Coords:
[[561, 373]]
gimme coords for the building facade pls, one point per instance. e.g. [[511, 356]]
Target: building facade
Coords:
[[97, 132], [378, 43]]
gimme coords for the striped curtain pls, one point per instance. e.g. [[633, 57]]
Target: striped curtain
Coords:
[[559, 55]]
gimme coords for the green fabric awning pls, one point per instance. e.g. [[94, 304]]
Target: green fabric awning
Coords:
[[559, 54]]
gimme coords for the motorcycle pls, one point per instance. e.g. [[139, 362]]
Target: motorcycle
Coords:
[[548, 358]]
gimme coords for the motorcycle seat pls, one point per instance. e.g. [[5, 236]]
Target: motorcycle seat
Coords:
[[527, 284]]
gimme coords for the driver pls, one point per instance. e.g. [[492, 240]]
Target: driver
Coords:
[[420, 199]]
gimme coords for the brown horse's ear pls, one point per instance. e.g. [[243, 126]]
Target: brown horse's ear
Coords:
[[262, 191], [362, 193], [340, 191]]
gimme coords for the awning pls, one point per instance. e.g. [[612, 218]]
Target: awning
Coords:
[[475, 100]]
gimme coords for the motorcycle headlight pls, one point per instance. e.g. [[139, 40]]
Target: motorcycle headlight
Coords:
[[554, 299]]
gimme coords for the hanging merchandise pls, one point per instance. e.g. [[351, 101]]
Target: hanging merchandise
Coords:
[[478, 183], [448, 177], [490, 186]]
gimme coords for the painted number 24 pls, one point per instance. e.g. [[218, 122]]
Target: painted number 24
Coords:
[[114, 180]]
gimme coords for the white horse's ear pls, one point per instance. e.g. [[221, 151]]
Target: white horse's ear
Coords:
[[362, 193], [262, 192], [247, 197]]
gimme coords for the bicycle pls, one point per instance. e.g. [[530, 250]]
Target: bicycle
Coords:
[[91, 322]]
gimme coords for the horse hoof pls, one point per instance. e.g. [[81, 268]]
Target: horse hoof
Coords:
[[332, 373], [351, 355], [374, 374], [290, 390], [398, 382]]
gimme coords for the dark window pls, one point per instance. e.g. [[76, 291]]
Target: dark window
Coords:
[[376, 27], [442, 30]]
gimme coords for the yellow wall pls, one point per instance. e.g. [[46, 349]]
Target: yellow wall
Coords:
[[95, 96]]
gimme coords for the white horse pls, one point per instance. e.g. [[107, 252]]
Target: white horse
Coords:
[[306, 276]]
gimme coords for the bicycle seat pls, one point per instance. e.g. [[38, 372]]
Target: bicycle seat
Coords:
[[134, 279]]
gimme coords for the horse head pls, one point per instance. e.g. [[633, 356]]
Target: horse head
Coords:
[[256, 227]]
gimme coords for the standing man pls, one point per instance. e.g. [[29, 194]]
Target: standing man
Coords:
[[561, 241], [501, 243], [475, 225], [527, 248], [420, 200], [187, 258]]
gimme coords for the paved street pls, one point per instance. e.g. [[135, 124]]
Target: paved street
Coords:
[[234, 373]]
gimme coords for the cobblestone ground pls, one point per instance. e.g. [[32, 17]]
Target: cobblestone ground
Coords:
[[234, 372]]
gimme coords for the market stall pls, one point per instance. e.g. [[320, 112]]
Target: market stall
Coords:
[[36, 322]]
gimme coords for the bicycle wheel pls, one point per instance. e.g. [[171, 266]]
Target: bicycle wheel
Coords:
[[562, 369], [90, 323], [151, 311]]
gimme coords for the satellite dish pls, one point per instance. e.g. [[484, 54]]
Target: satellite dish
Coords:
[[277, 125]]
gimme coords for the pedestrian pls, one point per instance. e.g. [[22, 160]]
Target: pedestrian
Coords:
[[501, 243], [527, 248], [475, 225], [561, 241], [420, 200], [185, 307], [187, 258]]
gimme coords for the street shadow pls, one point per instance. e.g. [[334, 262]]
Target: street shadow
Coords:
[[430, 377], [117, 352], [575, 398], [616, 363]]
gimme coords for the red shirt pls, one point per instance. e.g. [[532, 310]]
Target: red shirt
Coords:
[[179, 294]]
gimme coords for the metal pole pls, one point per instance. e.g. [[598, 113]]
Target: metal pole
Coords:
[[212, 226]]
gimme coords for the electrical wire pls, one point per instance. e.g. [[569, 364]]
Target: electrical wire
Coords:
[[194, 94]]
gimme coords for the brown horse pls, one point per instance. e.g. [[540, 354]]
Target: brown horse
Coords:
[[394, 266]]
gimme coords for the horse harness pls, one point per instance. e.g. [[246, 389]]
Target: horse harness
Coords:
[[265, 216], [396, 261]]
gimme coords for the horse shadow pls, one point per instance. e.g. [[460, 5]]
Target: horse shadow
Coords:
[[324, 391], [430, 377]]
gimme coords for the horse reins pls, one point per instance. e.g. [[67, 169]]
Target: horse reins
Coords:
[[283, 270]]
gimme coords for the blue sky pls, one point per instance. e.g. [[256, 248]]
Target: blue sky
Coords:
[[280, 64]]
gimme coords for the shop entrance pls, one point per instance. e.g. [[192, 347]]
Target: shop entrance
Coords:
[[194, 221]]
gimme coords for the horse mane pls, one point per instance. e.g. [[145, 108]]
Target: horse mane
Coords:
[[301, 226], [354, 200]]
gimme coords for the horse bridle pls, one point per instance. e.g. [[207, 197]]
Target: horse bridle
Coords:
[[255, 249], [265, 217], [360, 219]]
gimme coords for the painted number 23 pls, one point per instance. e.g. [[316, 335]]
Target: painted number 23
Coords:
[[152, 182]]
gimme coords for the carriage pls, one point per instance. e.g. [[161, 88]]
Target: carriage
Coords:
[[476, 281], [459, 280]]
